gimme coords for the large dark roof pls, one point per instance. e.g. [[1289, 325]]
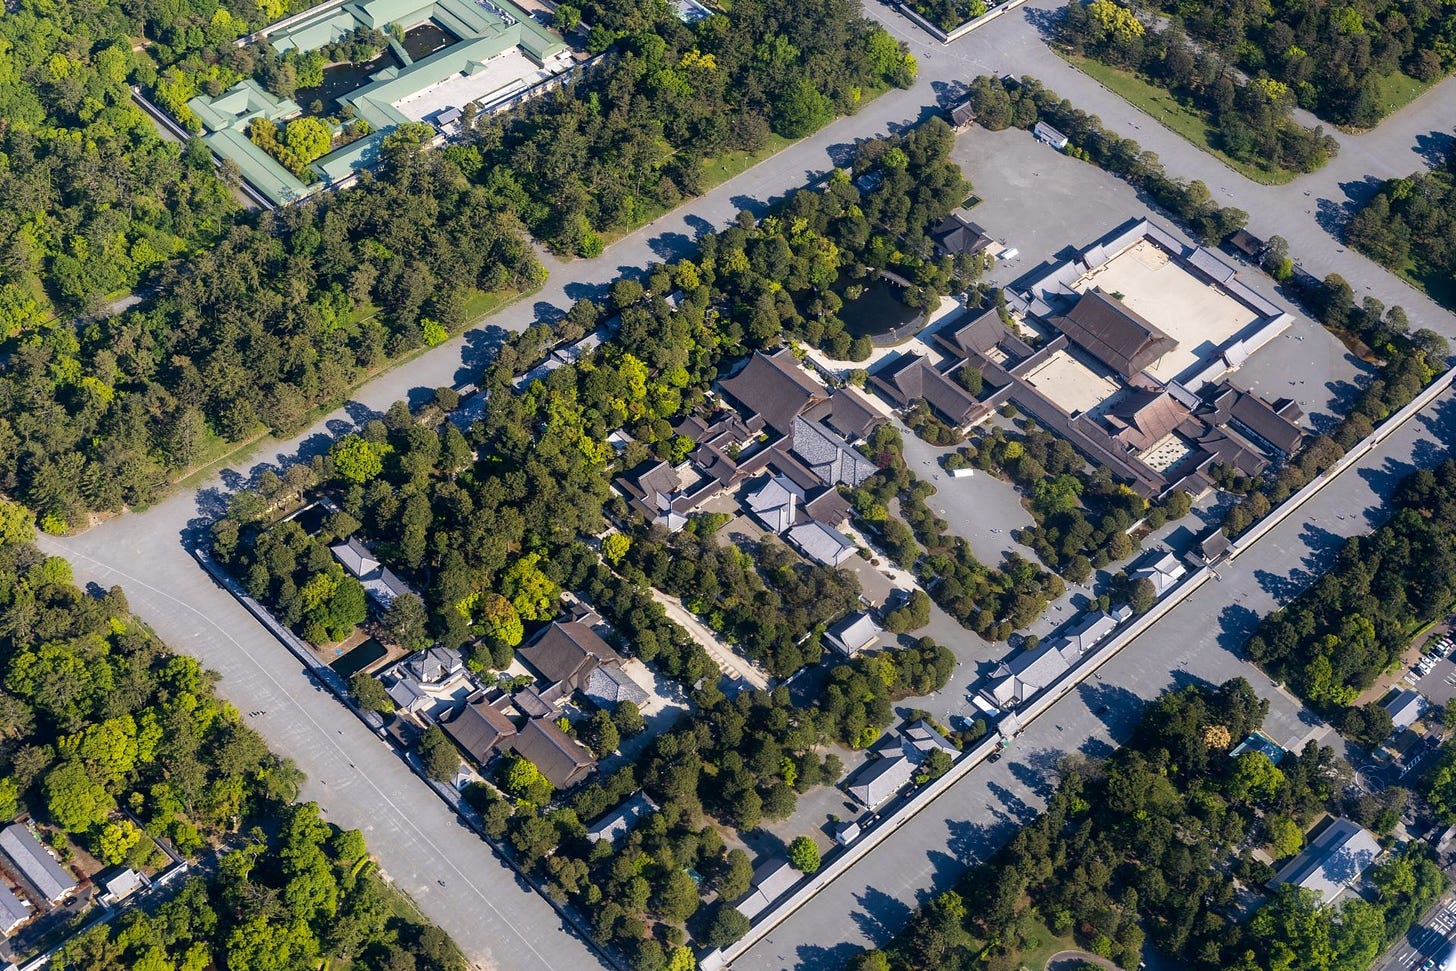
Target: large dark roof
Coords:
[[561, 759], [1114, 333], [912, 377], [956, 234], [1143, 416], [774, 387], [479, 728], [848, 413], [566, 653]]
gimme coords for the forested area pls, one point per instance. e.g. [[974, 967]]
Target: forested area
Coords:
[[467, 531], [251, 334], [1158, 840], [1252, 116], [1409, 225], [631, 139], [992, 601], [1003, 102], [111, 741], [762, 600], [1354, 622], [1333, 57], [948, 14], [250, 322]]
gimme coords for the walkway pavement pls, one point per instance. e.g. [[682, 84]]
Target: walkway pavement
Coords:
[[728, 660]]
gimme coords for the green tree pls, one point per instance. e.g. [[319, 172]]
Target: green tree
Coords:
[[356, 459], [522, 779], [74, 800], [804, 854], [17, 524], [406, 623], [308, 138], [615, 546], [600, 734], [438, 754], [531, 591], [725, 926], [370, 694]]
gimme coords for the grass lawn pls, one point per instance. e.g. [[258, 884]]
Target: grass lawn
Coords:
[[1161, 106], [1041, 944], [1394, 91], [1436, 284]]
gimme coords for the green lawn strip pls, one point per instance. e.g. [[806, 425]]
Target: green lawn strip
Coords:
[[1436, 284], [1394, 91], [1163, 107]]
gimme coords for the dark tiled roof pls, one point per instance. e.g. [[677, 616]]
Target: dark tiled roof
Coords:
[[912, 377], [561, 759], [1115, 334], [565, 653], [848, 414], [774, 387], [609, 685], [1258, 417], [479, 728], [956, 234], [1143, 417]]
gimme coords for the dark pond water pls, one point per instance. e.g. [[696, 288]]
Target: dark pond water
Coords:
[[877, 311], [359, 658], [426, 39], [340, 79]]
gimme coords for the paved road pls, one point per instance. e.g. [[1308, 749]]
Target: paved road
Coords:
[[1429, 938], [351, 774], [354, 776], [1198, 640]]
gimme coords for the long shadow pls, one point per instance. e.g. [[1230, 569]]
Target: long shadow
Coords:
[[816, 957], [1384, 478], [1012, 804], [586, 291], [700, 226], [1112, 704], [547, 312], [667, 246], [1046, 22], [1283, 587], [880, 916], [749, 204], [1236, 623], [1435, 148]]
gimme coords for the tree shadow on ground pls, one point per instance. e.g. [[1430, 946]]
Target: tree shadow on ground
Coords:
[[1236, 623], [1434, 148], [816, 957], [878, 915], [1112, 704], [1283, 587]]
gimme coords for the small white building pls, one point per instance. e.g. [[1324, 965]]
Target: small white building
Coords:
[[1406, 708], [1046, 133], [1163, 569]]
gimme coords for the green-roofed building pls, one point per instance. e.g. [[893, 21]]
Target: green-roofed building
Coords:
[[493, 52]]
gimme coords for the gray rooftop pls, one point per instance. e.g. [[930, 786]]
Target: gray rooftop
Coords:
[[1335, 860], [35, 862]]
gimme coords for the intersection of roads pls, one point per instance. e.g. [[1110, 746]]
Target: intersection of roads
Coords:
[[456, 879]]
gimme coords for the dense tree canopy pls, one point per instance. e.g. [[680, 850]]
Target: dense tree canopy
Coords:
[[1339, 635], [1331, 56]]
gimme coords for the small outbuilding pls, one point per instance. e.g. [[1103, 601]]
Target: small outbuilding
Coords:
[[1046, 133]]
